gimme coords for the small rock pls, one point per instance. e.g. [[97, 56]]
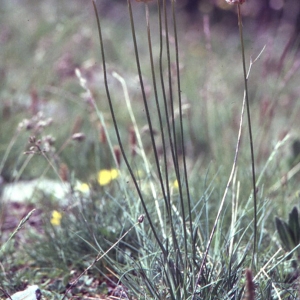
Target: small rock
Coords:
[[24, 190], [31, 293]]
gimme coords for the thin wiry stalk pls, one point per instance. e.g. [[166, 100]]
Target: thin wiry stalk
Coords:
[[186, 269], [162, 77], [118, 133], [173, 142], [163, 136], [147, 113], [167, 196], [150, 127], [167, 199], [178, 175], [181, 130], [144, 99], [172, 149], [172, 131], [254, 261], [169, 134]]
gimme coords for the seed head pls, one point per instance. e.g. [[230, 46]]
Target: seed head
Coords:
[[141, 218], [49, 139], [117, 154], [32, 140], [102, 135], [79, 136], [132, 141], [64, 172]]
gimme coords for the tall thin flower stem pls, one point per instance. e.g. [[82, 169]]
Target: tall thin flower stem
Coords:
[[118, 133], [253, 262], [149, 121], [185, 175], [166, 196]]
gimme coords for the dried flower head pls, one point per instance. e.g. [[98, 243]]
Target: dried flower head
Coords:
[[132, 141], [141, 218], [235, 1], [32, 139], [102, 134], [27, 124], [36, 124], [117, 154], [49, 139], [64, 172], [79, 136]]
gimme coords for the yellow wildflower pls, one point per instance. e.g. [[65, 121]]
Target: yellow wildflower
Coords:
[[106, 176], [56, 218], [175, 184], [82, 187]]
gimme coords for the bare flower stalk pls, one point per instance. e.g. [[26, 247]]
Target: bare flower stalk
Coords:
[[117, 128], [254, 258]]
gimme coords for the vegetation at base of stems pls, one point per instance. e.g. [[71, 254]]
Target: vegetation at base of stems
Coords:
[[178, 267], [173, 157]]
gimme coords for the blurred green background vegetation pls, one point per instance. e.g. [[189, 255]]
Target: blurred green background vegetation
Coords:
[[43, 42]]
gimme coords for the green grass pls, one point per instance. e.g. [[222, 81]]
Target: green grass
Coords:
[[159, 258]]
